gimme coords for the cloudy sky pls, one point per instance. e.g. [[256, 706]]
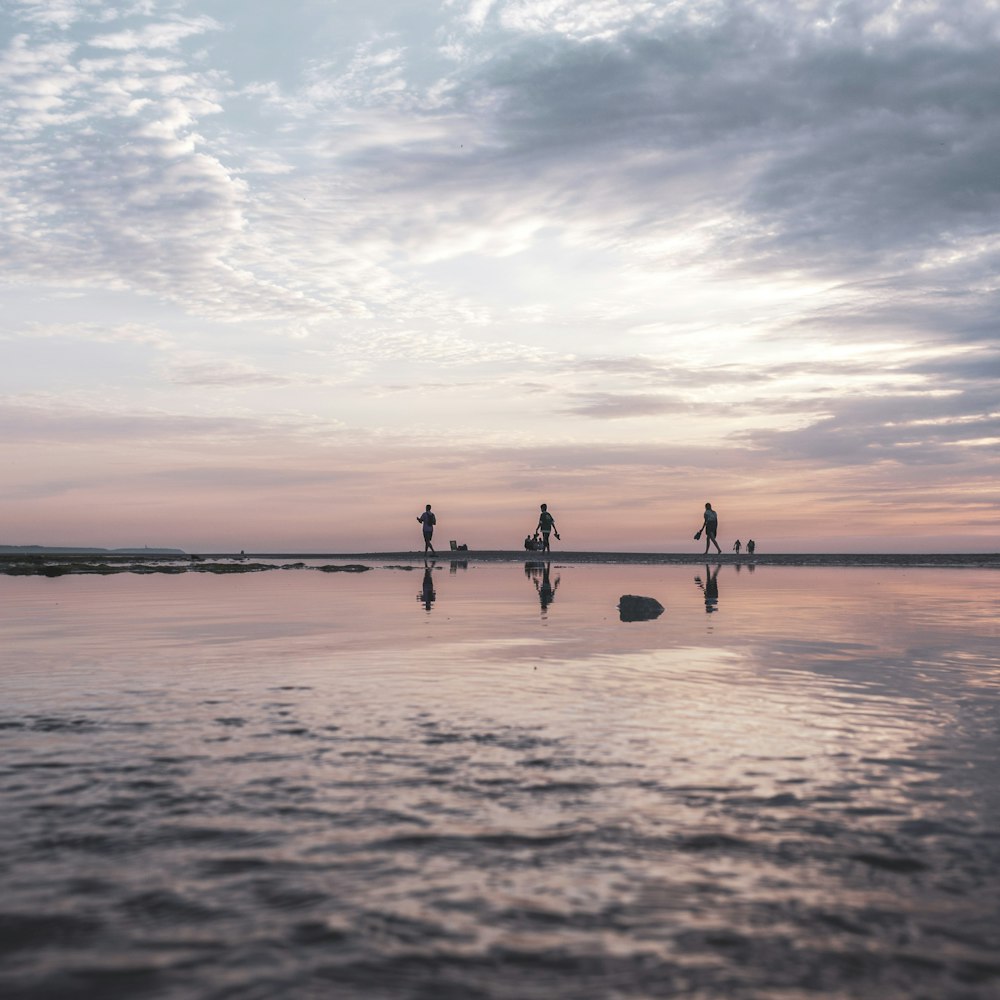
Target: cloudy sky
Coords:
[[275, 275]]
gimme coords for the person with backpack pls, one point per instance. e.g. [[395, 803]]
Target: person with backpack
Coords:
[[428, 520], [546, 524]]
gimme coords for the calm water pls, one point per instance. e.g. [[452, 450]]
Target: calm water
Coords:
[[479, 783]]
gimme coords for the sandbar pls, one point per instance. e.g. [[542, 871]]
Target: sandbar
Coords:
[[52, 565]]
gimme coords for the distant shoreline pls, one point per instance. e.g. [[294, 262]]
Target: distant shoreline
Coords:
[[56, 563], [951, 560]]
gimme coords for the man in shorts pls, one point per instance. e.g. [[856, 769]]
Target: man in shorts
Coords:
[[428, 520], [546, 523], [710, 525]]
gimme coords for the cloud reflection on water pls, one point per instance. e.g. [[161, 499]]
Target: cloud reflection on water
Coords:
[[476, 797]]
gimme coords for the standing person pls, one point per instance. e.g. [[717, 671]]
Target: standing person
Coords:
[[546, 523], [736, 546], [428, 520], [751, 546], [710, 525]]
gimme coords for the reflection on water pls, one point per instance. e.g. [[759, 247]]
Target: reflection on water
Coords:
[[427, 594], [290, 785], [540, 574], [710, 588]]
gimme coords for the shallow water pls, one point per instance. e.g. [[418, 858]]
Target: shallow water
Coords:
[[477, 782]]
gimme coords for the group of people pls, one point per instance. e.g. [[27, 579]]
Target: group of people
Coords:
[[539, 541], [710, 529]]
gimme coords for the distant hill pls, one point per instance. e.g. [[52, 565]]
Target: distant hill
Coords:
[[86, 550]]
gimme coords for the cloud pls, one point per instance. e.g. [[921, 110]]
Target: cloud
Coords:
[[59, 423], [620, 406], [219, 373], [57, 13], [123, 333], [162, 35], [934, 427], [594, 224]]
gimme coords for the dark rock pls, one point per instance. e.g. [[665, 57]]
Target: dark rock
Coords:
[[638, 609], [232, 567]]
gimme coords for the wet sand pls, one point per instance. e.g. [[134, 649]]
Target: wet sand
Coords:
[[59, 564], [907, 560]]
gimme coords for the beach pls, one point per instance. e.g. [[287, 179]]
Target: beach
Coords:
[[474, 777], [56, 563]]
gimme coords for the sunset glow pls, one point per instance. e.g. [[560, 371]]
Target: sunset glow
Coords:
[[276, 276]]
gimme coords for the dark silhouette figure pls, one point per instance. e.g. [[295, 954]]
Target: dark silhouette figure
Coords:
[[751, 547], [710, 526], [736, 546], [428, 520], [539, 574], [546, 524], [710, 588], [427, 596]]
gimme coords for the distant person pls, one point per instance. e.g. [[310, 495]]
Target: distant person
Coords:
[[428, 520], [531, 542], [546, 524], [751, 547], [736, 546], [710, 527]]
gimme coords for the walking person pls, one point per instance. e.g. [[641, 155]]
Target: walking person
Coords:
[[710, 526], [428, 520], [751, 547], [546, 523], [736, 546]]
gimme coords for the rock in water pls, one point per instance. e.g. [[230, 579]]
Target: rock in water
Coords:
[[639, 609]]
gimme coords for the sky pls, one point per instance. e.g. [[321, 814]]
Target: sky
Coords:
[[276, 275]]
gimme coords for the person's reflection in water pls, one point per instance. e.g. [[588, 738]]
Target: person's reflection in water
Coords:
[[427, 595], [540, 575], [710, 588]]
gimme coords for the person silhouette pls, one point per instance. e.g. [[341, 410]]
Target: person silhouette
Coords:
[[710, 525], [539, 574], [546, 523], [427, 594], [751, 547], [736, 546], [428, 520], [710, 589]]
